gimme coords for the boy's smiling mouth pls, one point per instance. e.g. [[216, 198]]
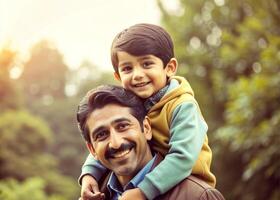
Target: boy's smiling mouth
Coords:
[[142, 84]]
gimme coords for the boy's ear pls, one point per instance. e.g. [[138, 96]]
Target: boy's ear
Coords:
[[171, 67], [91, 149], [117, 76], [147, 128]]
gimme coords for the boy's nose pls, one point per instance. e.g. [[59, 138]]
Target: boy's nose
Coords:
[[138, 74]]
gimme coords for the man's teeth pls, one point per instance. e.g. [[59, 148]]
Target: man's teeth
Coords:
[[120, 154]]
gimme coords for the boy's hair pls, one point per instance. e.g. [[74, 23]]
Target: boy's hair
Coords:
[[143, 39], [104, 95]]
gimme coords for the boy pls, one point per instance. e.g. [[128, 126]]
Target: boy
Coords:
[[143, 60]]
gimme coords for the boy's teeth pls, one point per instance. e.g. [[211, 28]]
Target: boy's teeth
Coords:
[[140, 84], [120, 154]]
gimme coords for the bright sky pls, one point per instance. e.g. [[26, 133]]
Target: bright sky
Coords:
[[81, 29]]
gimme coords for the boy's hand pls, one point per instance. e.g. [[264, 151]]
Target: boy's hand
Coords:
[[135, 194], [96, 196], [90, 189]]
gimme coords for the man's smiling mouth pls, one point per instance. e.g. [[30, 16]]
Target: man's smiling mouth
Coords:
[[120, 154]]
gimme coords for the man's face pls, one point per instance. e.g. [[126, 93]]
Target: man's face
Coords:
[[143, 75], [118, 142]]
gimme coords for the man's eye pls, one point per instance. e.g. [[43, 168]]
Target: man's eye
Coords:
[[101, 135], [122, 126]]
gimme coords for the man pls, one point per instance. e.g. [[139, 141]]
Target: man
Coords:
[[114, 124]]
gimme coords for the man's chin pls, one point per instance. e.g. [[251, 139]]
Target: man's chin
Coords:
[[125, 171]]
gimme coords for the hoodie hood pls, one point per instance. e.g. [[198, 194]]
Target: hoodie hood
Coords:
[[183, 87]]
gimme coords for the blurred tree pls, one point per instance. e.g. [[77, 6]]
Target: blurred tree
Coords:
[[68, 147], [44, 75], [88, 76], [60, 114], [11, 189], [229, 50], [104, 78], [31, 188], [10, 97], [24, 139]]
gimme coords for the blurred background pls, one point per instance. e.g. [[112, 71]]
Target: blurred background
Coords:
[[52, 52]]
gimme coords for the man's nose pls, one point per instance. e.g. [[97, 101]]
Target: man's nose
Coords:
[[115, 140]]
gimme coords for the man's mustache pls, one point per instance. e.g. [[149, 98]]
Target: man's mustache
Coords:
[[111, 151]]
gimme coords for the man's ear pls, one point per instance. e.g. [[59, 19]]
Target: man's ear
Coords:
[[117, 76], [147, 128], [171, 67], [91, 149]]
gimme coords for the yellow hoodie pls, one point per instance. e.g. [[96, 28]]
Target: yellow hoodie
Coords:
[[169, 129]]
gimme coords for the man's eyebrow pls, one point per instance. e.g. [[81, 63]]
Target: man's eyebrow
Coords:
[[122, 119]]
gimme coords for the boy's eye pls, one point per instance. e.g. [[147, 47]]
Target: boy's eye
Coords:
[[147, 63], [101, 135], [126, 69]]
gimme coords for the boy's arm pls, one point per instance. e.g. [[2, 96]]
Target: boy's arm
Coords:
[[92, 171], [92, 167], [187, 135]]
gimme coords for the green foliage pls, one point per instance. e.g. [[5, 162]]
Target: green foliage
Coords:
[[230, 53], [43, 140], [252, 124], [9, 94], [64, 186], [31, 188], [24, 139], [68, 147]]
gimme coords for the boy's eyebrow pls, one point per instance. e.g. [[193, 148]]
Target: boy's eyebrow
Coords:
[[144, 57], [139, 58], [124, 63]]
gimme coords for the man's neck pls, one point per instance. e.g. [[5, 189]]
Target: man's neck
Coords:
[[125, 179], [116, 189]]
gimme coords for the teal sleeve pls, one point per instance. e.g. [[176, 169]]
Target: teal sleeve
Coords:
[[187, 134], [92, 167]]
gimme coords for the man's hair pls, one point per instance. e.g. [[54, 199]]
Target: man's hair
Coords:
[[104, 95], [143, 39]]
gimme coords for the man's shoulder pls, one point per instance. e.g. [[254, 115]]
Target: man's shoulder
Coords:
[[192, 188]]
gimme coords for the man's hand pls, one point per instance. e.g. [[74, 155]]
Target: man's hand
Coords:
[[90, 189], [133, 194]]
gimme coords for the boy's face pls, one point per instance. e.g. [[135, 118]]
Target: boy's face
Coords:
[[144, 75]]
